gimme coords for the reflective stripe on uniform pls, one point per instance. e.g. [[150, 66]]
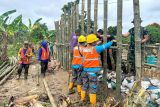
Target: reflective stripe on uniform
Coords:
[[91, 59]]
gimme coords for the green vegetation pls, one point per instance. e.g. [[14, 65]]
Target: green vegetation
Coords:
[[154, 32], [13, 34]]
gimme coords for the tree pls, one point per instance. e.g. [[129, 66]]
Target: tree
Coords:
[[112, 30], [154, 33], [8, 29]]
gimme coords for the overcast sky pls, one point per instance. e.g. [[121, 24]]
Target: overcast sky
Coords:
[[50, 11]]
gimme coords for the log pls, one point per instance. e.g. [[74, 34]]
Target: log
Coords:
[[24, 100], [3, 68], [8, 75], [3, 64], [35, 103], [6, 71], [52, 101]]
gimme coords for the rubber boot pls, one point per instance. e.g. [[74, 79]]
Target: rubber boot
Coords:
[[83, 95], [25, 76], [71, 91], [92, 99], [79, 89], [70, 85], [82, 103]]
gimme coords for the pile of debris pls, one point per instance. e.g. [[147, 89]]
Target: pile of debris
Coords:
[[148, 94]]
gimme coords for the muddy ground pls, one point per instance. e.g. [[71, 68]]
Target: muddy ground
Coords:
[[57, 82]]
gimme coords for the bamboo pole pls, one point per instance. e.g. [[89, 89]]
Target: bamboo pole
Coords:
[[69, 37], [52, 101], [4, 63], [57, 39], [95, 15], [7, 76], [137, 39], [74, 18], [88, 16], [77, 16], [63, 37], [61, 47], [82, 16], [119, 50], [105, 24], [65, 34]]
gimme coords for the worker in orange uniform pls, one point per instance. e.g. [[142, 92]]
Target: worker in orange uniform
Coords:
[[44, 57], [25, 53], [91, 66], [77, 65]]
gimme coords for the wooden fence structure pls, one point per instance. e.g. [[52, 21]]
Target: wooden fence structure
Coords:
[[70, 21]]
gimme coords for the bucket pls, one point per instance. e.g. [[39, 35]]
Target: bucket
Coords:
[[151, 59]]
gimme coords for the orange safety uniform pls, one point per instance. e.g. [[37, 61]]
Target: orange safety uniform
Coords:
[[91, 58], [45, 54], [25, 59], [77, 57]]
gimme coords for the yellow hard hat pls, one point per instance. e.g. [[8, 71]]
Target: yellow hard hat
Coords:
[[82, 38], [92, 38]]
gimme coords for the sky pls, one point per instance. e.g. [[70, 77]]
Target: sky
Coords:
[[50, 11]]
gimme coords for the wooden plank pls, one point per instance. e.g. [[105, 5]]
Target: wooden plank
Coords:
[[52, 101], [25, 100]]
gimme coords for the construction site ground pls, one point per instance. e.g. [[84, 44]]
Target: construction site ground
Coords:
[[57, 82]]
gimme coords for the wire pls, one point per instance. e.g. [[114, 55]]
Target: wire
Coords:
[[108, 3]]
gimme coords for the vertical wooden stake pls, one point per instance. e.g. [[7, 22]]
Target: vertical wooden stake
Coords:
[[95, 15], [137, 24], [88, 16], [105, 24], [82, 16], [119, 50]]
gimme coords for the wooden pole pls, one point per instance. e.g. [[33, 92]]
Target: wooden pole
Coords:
[[52, 101], [64, 42], [88, 16], [95, 15], [57, 39], [119, 50], [82, 16], [61, 33], [105, 24], [158, 60], [77, 16], [25, 100], [74, 17], [137, 24]]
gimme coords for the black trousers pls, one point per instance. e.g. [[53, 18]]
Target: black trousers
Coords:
[[21, 66], [44, 67]]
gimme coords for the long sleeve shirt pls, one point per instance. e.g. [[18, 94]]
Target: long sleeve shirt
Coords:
[[40, 54], [73, 41], [99, 49]]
